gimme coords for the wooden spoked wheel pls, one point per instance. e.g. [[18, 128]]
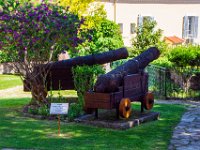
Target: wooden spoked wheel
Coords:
[[125, 108], [148, 101]]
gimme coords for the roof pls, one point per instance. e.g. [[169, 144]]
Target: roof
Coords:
[[174, 39]]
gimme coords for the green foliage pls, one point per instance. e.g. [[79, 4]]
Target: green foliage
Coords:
[[76, 6], [163, 62], [105, 36], [44, 110], [183, 62], [33, 110], [4, 57], [92, 10], [118, 63], [96, 13], [74, 111], [9, 5], [183, 56], [84, 79], [147, 36]]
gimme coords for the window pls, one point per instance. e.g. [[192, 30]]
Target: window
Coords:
[[141, 19], [121, 27], [190, 27], [132, 28]]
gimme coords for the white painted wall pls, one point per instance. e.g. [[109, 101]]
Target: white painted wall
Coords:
[[169, 17]]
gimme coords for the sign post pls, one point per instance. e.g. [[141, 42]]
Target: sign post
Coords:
[[58, 125], [59, 109]]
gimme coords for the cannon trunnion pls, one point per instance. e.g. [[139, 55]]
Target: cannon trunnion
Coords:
[[134, 88]]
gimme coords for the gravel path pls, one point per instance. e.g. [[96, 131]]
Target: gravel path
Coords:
[[186, 135], [14, 92]]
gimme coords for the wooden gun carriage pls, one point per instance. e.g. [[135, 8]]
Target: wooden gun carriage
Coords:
[[119, 87], [134, 88]]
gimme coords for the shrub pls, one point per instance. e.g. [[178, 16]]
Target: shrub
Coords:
[[183, 56], [163, 62], [4, 57], [44, 110], [84, 79], [105, 36], [33, 110], [147, 36], [74, 111], [118, 63]]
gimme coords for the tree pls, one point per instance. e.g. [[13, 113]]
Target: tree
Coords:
[[147, 36], [76, 6], [32, 35], [105, 36], [92, 10]]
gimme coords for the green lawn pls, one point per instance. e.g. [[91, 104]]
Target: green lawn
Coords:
[[19, 132], [9, 81]]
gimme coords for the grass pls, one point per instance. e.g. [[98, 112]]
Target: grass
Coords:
[[71, 93], [9, 81], [20, 132]]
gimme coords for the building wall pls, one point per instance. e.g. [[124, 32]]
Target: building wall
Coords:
[[169, 16]]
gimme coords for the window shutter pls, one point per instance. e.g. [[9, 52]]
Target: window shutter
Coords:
[[140, 21], [152, 18], [185, 27], [121, 27], [195, 26], [132, 28]]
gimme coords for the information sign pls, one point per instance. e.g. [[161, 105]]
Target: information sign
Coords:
[[59, 108]]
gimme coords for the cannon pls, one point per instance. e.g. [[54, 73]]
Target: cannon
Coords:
[[60, 75], [123, 85]]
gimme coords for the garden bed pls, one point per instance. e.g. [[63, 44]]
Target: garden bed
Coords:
[[107, 119]]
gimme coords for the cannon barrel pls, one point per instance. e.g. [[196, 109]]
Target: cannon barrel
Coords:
[[100, 58], [60, 75], [111, 81]]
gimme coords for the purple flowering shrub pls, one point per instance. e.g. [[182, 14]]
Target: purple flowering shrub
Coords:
[[37, 32], [34, 35]]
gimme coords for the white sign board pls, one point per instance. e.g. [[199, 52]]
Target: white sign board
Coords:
[[59, 108]]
